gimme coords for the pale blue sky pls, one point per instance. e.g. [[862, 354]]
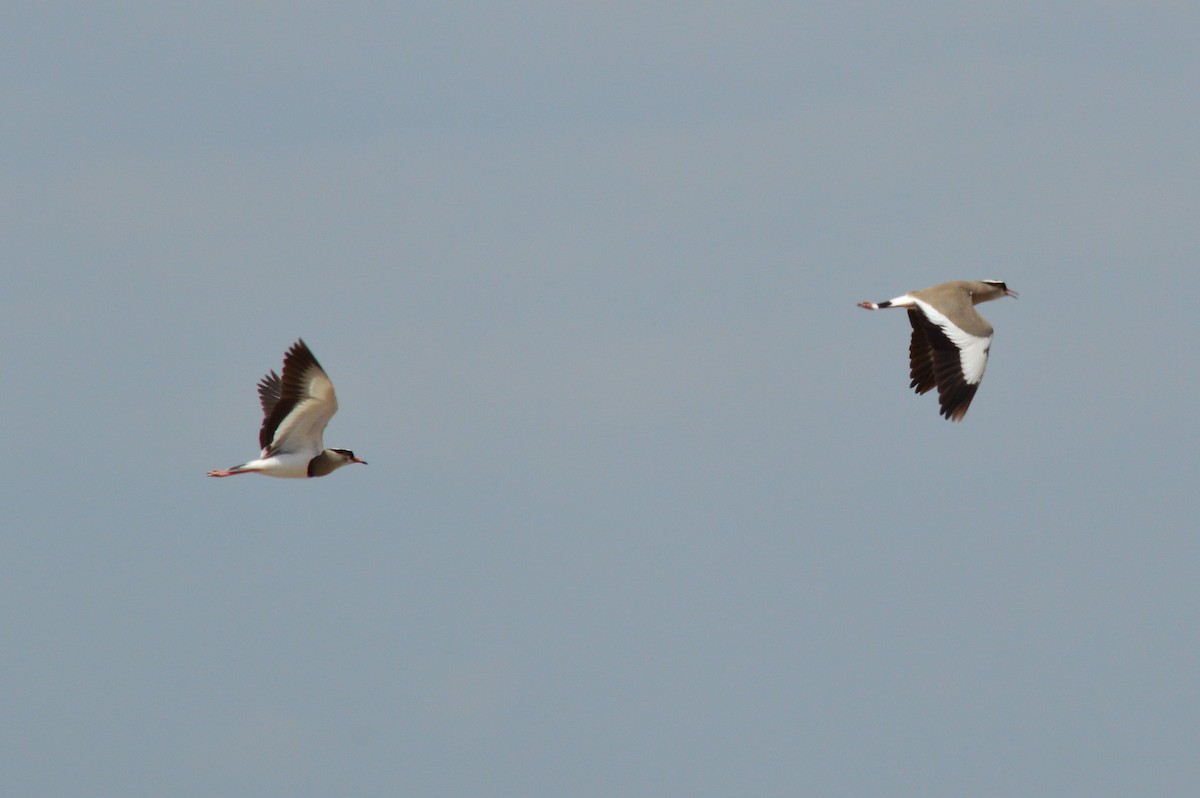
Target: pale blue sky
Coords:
[[650, 509]]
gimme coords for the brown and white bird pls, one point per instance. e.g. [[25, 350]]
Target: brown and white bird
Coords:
[[950, 340], [296, 409]]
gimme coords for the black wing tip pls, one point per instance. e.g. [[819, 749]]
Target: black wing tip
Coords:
[[956, 400], [299, 354], [269, 389], [298, 349], [955, 414]]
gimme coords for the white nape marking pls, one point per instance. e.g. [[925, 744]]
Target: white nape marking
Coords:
[[972, 350], [903, 301]]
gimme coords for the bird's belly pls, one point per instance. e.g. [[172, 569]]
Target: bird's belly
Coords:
[[290, 465]]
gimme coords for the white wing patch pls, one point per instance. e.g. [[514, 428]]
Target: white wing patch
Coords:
[[972, 350]]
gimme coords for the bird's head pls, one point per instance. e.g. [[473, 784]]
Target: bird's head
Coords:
[[347, 456], [331, 460], [994, 290]]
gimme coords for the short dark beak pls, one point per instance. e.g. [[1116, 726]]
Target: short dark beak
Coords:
[[1010, 292], [356, 460]]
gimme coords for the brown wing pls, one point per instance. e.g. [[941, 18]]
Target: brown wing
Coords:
[[920, 355], [938, 361], [304, 390], [269, 388]]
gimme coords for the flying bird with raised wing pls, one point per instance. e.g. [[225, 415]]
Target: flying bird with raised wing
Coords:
[[950, 340], [296, 409]]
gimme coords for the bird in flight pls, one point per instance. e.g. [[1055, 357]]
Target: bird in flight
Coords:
[[950, 340], [296, 408]]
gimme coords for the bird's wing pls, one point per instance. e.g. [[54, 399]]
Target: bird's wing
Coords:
[[956, 358], [268, 392], [920, 355], [305, 405]]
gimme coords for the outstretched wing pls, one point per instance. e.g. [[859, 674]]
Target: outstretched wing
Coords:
[[920, 355], [943, 354], [305, 403], [268, 392]]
